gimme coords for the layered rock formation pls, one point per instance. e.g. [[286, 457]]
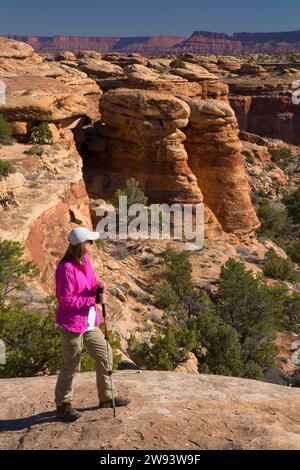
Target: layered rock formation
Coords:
[[168, 410], [141, 136], [200, 42], [165, 80], [147, 45], [204, 42], [44, 203], [143, 139], [49, 195], [39, 90], [266, 108], [214, 151]]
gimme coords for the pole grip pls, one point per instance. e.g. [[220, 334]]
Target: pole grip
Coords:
[[100, 296]]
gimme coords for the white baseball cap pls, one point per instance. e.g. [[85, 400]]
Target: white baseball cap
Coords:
[[82, 234]]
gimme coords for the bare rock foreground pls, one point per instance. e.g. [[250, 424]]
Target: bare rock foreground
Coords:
[[168, 411]]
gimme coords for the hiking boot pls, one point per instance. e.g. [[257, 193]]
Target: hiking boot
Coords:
[[65, 412], [119, 401]]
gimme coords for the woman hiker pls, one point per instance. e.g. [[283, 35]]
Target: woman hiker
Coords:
[[78, 320]]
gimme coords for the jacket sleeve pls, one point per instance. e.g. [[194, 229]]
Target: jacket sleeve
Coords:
[[65, 290]]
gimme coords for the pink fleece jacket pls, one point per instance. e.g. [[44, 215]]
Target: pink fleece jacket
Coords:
[[76, 287]]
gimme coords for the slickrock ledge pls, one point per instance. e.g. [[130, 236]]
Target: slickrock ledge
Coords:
[[168, 410]]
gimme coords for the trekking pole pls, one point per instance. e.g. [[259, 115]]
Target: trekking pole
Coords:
[[100, 299]]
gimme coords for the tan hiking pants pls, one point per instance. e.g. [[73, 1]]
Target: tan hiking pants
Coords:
[[72, 344]]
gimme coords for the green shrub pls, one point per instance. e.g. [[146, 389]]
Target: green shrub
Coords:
[[6, 168], [293, 250], [41, 134], [166, 350], [279, 268], [5, 131], [32, 343], [133, 192], [14, 271], [253, 309], [36, 150], [177, 64], [250, 159], [224, 355], [295, 378], [292, 202], [149, 260], [291, 304], [102, 245], [140, 296], [237, 331], [282, 157], [165, 297], [281, 154], [274, 221]]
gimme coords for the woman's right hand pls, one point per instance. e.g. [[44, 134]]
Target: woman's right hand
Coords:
[[102, 285]]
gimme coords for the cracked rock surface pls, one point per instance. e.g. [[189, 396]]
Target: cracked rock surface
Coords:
[[168, 410]]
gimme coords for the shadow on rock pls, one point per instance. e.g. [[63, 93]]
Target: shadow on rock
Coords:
[[24, 423]]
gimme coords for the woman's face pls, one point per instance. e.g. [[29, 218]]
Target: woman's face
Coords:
[[89, 247]]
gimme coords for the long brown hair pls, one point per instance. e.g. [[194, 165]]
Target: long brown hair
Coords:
[[76, 253]]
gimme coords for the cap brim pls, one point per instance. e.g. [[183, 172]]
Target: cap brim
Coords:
[[94, 236]]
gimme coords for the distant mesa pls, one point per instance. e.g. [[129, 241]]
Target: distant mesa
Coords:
[[200, 42]]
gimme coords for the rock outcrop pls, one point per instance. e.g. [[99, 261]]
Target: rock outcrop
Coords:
[[39, 90], [51, 199], [47, 195], [142, 138], [214, 151], [167, 411], [140, 135]]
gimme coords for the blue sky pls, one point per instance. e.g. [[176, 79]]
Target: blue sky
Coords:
[[142, 18]]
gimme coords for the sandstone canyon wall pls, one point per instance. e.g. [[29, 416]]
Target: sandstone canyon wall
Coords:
[[266, 108], [183, 148]]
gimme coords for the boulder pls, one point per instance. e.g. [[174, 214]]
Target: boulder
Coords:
[[193, 72], [140, 73], [100, 68], [278, 250], [19, 128], [252, 69], [89, 55], [66, 56], [189, 365], [11, 49]]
